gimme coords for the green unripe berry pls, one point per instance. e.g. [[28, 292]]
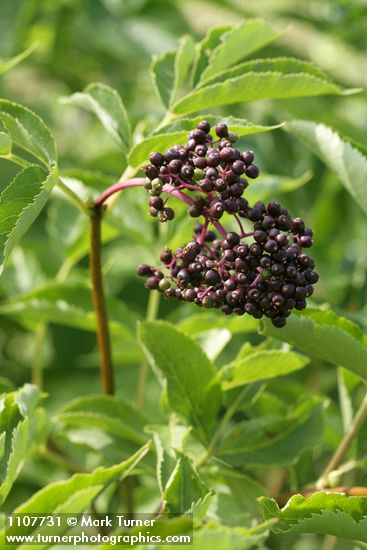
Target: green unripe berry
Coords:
[[164, 284], [198, 174], [156, 187], [232, 137]]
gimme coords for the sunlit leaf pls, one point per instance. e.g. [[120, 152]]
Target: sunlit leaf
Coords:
[[322, 513], [107, 105], [28, 130], [324, 335]]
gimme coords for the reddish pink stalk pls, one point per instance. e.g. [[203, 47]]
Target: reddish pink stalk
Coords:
[[116, 187]]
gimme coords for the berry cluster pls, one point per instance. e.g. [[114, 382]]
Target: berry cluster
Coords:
[[210, 171], [260, 272]]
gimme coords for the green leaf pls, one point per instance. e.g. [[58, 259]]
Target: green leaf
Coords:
[[5, 144], [284, 65], [108, 107], [241, 126], [205, 47], [7, 64], [322, 513], [20, 204], [241, 41], [261, 365], [160, 142], [213, 341], [244, 489], [304, 432], [254, 86], [68, 305], [166, 440], [204, 321], [192, 384], [177, 131], [324, 335], [73, 495], [28, 130], [110, 414], [162, 71], [252, 434], [184, 488], [22, 427], [184, 60], [345, 160]]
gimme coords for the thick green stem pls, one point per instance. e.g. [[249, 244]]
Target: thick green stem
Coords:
[[103, 334], [152, 312], [345, 443]]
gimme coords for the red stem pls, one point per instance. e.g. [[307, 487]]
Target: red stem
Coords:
[[116, 187]]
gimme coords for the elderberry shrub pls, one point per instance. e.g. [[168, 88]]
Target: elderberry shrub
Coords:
[[262, 272]]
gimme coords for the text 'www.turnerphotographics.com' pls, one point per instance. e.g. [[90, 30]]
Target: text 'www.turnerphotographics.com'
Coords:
[[111, 529]]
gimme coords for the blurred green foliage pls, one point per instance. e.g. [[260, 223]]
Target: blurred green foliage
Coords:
[[112, 41]]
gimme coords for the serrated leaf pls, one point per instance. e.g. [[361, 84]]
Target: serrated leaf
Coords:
[[20, 204], [261, 365], [107, 105], [5, 144], [322, 513], [324, 335], [176, 132], [184, 60], [241, 126], [241, 41], [205, 47], [22, 427], [110, 414], [72, 495], [68, 305], [166, 440], [162, 71], [28, 130], [184, 488], [284, 65], [192, 384], [345, 160], [7, 64], [254, 86]]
